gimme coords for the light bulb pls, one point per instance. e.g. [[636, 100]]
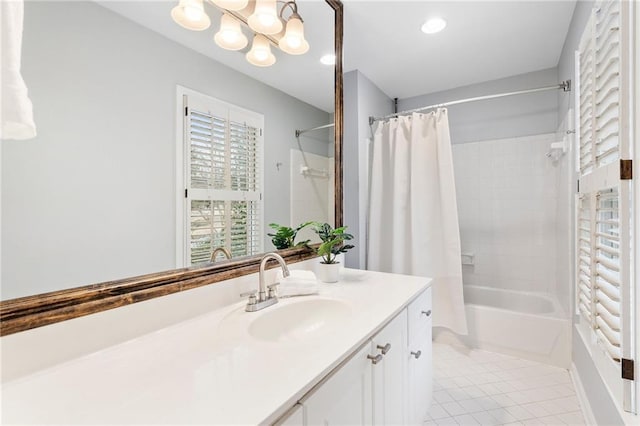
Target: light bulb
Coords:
[[230, 36], [193, 13], [329, 59], [434, 25], [260, 53], [264, 18], [190, 14], [293, 41], [231, 4], [267, 20]]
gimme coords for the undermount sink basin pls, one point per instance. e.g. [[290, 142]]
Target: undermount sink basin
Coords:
[[299, 320]]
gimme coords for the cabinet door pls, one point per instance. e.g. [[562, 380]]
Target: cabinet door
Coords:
[[420, 369], [344, 399], [389, 375]]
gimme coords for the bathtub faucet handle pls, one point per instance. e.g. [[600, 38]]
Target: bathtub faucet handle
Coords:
[[427, 313]]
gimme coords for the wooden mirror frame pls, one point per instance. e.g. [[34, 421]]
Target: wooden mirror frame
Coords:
[[29, 312]]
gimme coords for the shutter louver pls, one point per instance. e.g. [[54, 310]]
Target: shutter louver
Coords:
[[607, 97], [587, 89], [607, 279], [243, 156], [584, 257], [208, 228], [245, 237], [207, 136]]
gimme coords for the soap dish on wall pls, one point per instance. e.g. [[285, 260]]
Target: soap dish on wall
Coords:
[[468, 258]]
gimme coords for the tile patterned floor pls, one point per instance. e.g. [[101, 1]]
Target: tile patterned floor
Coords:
[[474, 387]]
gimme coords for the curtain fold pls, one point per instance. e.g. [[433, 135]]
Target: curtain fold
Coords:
[[16, 110], [413, 215]]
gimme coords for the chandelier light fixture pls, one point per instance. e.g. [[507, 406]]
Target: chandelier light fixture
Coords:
[[262, 17]]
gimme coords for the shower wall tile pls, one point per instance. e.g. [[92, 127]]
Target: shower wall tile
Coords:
[[310, 195], [507, 206]]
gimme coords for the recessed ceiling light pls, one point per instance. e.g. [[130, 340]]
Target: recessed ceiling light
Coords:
[[434, 25], [328, 59]]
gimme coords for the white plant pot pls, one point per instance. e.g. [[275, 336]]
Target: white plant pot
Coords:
[[328, 272]]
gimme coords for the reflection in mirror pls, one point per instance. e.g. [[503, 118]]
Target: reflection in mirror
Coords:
[[99, 194]]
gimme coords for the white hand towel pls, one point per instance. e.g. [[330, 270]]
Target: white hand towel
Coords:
[[298, 283], [16, 110]]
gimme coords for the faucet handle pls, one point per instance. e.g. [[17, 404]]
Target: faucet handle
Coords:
[[272, 292], [252, 296]]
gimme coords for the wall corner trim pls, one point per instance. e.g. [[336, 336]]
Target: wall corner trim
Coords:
[[581, 393]]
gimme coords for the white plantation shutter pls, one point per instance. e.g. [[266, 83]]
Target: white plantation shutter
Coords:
[[208, 228], [603, 247], [607, 83], [223, 153], [607, 266], [583, 279], [586, 90]]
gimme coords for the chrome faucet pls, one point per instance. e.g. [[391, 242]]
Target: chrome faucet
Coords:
[[222, 250], [264, 300]]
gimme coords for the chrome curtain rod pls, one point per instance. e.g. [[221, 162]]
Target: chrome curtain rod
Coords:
[[299, 132], [565, 86]]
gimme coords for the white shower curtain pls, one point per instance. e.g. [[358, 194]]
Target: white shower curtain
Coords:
[[413, 216]]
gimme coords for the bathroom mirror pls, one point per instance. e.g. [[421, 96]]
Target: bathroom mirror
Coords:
[[96, 196]]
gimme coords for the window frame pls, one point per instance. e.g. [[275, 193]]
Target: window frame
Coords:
[[183, 170]]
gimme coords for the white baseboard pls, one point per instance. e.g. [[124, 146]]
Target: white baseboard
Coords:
[[589, 418]]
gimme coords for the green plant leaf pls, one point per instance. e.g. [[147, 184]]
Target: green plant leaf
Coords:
[[332, 241]]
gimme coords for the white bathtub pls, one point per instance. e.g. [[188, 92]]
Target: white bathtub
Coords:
[[522, 324]]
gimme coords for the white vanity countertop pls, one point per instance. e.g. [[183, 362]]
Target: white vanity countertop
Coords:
[[207, 370]]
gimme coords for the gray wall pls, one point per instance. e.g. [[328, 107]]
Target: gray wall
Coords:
[[566, 65], [513, 116], [602, 405], [93, 196], [362, 98]]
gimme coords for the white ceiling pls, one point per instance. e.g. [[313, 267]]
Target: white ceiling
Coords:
[[482, 41]]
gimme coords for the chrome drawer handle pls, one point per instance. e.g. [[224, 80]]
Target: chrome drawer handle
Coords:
[[416, 354], [375, 359], [427, 313], [386, 348]]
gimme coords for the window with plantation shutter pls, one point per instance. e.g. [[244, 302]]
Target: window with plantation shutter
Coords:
[[222, 147], [603, 204]]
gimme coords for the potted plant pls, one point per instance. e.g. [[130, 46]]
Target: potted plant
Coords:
[[332, 245], [285, 236]]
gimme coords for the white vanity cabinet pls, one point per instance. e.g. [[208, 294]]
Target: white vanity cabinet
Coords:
[[419, 358], [387, 382], [345, 398], [389, 389]]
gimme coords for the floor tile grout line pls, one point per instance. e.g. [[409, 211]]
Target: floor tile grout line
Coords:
[[554, 380]]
